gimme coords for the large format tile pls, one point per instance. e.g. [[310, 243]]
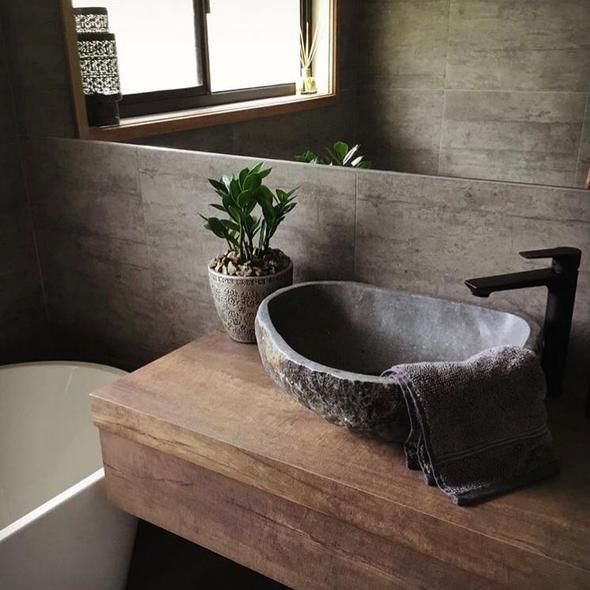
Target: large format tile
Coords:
[[401, 128], [524, 45], [100, 296], [88, 165], [40, 78], [583, 174], [7, 111], [521, 136], [429, 234], [404, 43]]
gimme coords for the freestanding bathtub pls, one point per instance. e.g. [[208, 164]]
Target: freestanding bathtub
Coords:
[[57, 529]]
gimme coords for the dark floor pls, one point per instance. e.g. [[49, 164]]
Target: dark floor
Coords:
[[164, 561]]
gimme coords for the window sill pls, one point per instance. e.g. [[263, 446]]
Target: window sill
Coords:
[[138, 127]]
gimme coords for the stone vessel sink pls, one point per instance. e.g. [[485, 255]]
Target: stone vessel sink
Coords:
[[327, 343]]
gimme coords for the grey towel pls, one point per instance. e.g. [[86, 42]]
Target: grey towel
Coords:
[[478, 427]]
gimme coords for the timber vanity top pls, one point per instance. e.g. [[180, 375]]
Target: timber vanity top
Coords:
[[201, 443]]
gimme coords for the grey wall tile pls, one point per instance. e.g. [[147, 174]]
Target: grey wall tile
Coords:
[[39, 73], [537, 46], [429, 234], [525, 45], [100, 166], [521, 136], [404, 43], [209, 139], [509, 165], [89, 218], [99, 295], [584, 155], [401, 128], [25, 334]]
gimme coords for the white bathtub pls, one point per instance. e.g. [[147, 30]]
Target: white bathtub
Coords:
[[57, 530]]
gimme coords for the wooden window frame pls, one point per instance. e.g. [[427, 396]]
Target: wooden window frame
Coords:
[[179, 109]]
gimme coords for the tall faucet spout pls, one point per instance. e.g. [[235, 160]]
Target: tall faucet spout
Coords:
[[485, 286], [560, 280]]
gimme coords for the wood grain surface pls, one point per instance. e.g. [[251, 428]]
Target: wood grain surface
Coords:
[[203, 444]]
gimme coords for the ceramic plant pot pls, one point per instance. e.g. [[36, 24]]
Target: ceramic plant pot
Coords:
[[237, 299]]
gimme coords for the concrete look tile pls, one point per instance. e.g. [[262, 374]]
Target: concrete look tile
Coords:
[[86, 165], [509, 165], [319, 234], [428, 235], [101, 286], [583, 169], [525, 45], [520, 136], [209, 139], [7, 111], [91, 212], [404, 43], [401, 129]]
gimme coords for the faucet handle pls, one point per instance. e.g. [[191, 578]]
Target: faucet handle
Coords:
[[564, 257]]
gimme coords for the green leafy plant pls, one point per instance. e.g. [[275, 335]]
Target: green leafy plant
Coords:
[[254, 212], [341, 154]]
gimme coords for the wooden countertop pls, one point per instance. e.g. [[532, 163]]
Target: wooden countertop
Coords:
[[210, 405]]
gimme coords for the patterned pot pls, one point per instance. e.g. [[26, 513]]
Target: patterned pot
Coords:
[[237, 299]]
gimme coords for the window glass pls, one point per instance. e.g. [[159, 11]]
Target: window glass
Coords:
[[156, 42], [253, 43]]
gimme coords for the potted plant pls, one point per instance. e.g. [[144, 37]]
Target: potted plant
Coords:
[[341, 154], [250, 269]]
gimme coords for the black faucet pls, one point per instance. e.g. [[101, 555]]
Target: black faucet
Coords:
[[561, 281]]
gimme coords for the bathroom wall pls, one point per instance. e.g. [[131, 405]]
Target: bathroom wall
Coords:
[[125, 256], [492, 89], [23, 334]]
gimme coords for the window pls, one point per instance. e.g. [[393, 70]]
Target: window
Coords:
[[182, 54]]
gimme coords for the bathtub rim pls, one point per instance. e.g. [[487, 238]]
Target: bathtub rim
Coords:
[[65, 363], [77, 488], [52, 504]]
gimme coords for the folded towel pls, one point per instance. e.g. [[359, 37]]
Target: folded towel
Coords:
[[478, 427]]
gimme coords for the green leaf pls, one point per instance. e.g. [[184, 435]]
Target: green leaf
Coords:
[[244, 198], [234, 188], [252, 182], [243, 175], [218, 207], [226, 180], [235, 213], [217, 185], [231, 225], [341, 149], [216, 226]]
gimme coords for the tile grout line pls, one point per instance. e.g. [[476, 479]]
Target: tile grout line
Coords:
[[24, 170], [152, 345], [354, 235], [581, 141], [444, 90]]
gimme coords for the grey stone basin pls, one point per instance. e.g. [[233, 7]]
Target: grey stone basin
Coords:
[[326, 343]]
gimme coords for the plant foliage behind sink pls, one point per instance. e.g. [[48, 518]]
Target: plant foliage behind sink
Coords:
[[341, 154], [242, 195]]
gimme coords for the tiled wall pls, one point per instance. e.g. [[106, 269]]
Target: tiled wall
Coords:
[[124, 253], [492, 89], [40, 78], [23, 334]]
